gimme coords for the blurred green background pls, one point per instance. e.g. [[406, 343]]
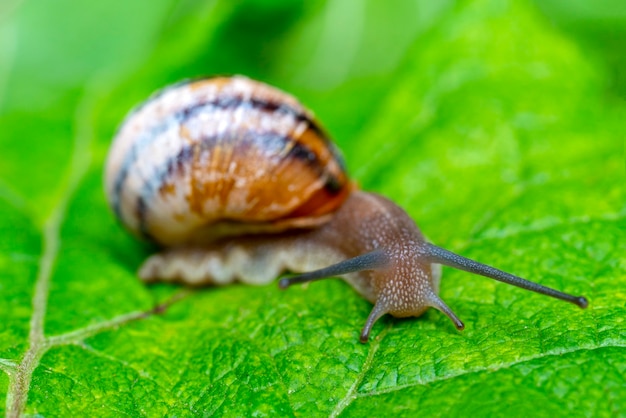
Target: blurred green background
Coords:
[[324, 53], [497, 124]]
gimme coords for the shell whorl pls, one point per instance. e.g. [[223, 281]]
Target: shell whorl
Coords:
[[222, 156]]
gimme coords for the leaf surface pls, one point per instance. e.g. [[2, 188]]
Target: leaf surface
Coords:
[[499, 132]]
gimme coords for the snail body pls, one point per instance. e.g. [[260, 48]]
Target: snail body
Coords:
[[237, 181]]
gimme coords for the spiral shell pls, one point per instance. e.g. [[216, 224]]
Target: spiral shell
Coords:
[[222, 156]]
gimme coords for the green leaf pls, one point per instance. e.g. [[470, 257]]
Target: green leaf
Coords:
[[499, 131]]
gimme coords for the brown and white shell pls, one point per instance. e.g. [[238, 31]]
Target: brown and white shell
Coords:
[[222, 156]]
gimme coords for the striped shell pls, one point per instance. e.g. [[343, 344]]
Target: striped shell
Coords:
[[222, 156]]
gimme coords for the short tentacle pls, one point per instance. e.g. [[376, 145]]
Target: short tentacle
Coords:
[[439, 304], [377, 311]]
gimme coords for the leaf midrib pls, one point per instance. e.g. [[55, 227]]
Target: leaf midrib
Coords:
[[19, 382]]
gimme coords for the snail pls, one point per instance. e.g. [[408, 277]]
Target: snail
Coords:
[[235, 180]]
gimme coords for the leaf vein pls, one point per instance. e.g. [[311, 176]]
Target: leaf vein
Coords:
[[351, 395], [531, 229], [19, 384], [81, 334], [8, 366], [124, 363], [496, 368]]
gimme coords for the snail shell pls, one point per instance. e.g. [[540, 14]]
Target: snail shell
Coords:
[[219, 157], [238, 182]]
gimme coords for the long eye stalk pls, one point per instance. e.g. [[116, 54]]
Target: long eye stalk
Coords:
[[440, 256], [369, 261]]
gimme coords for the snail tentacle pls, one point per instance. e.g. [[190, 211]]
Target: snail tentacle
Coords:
[[376, 259], [236, 180], [448, 258]]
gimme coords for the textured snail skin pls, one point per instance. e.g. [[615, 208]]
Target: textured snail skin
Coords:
[[404, 285], [236, 181]]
